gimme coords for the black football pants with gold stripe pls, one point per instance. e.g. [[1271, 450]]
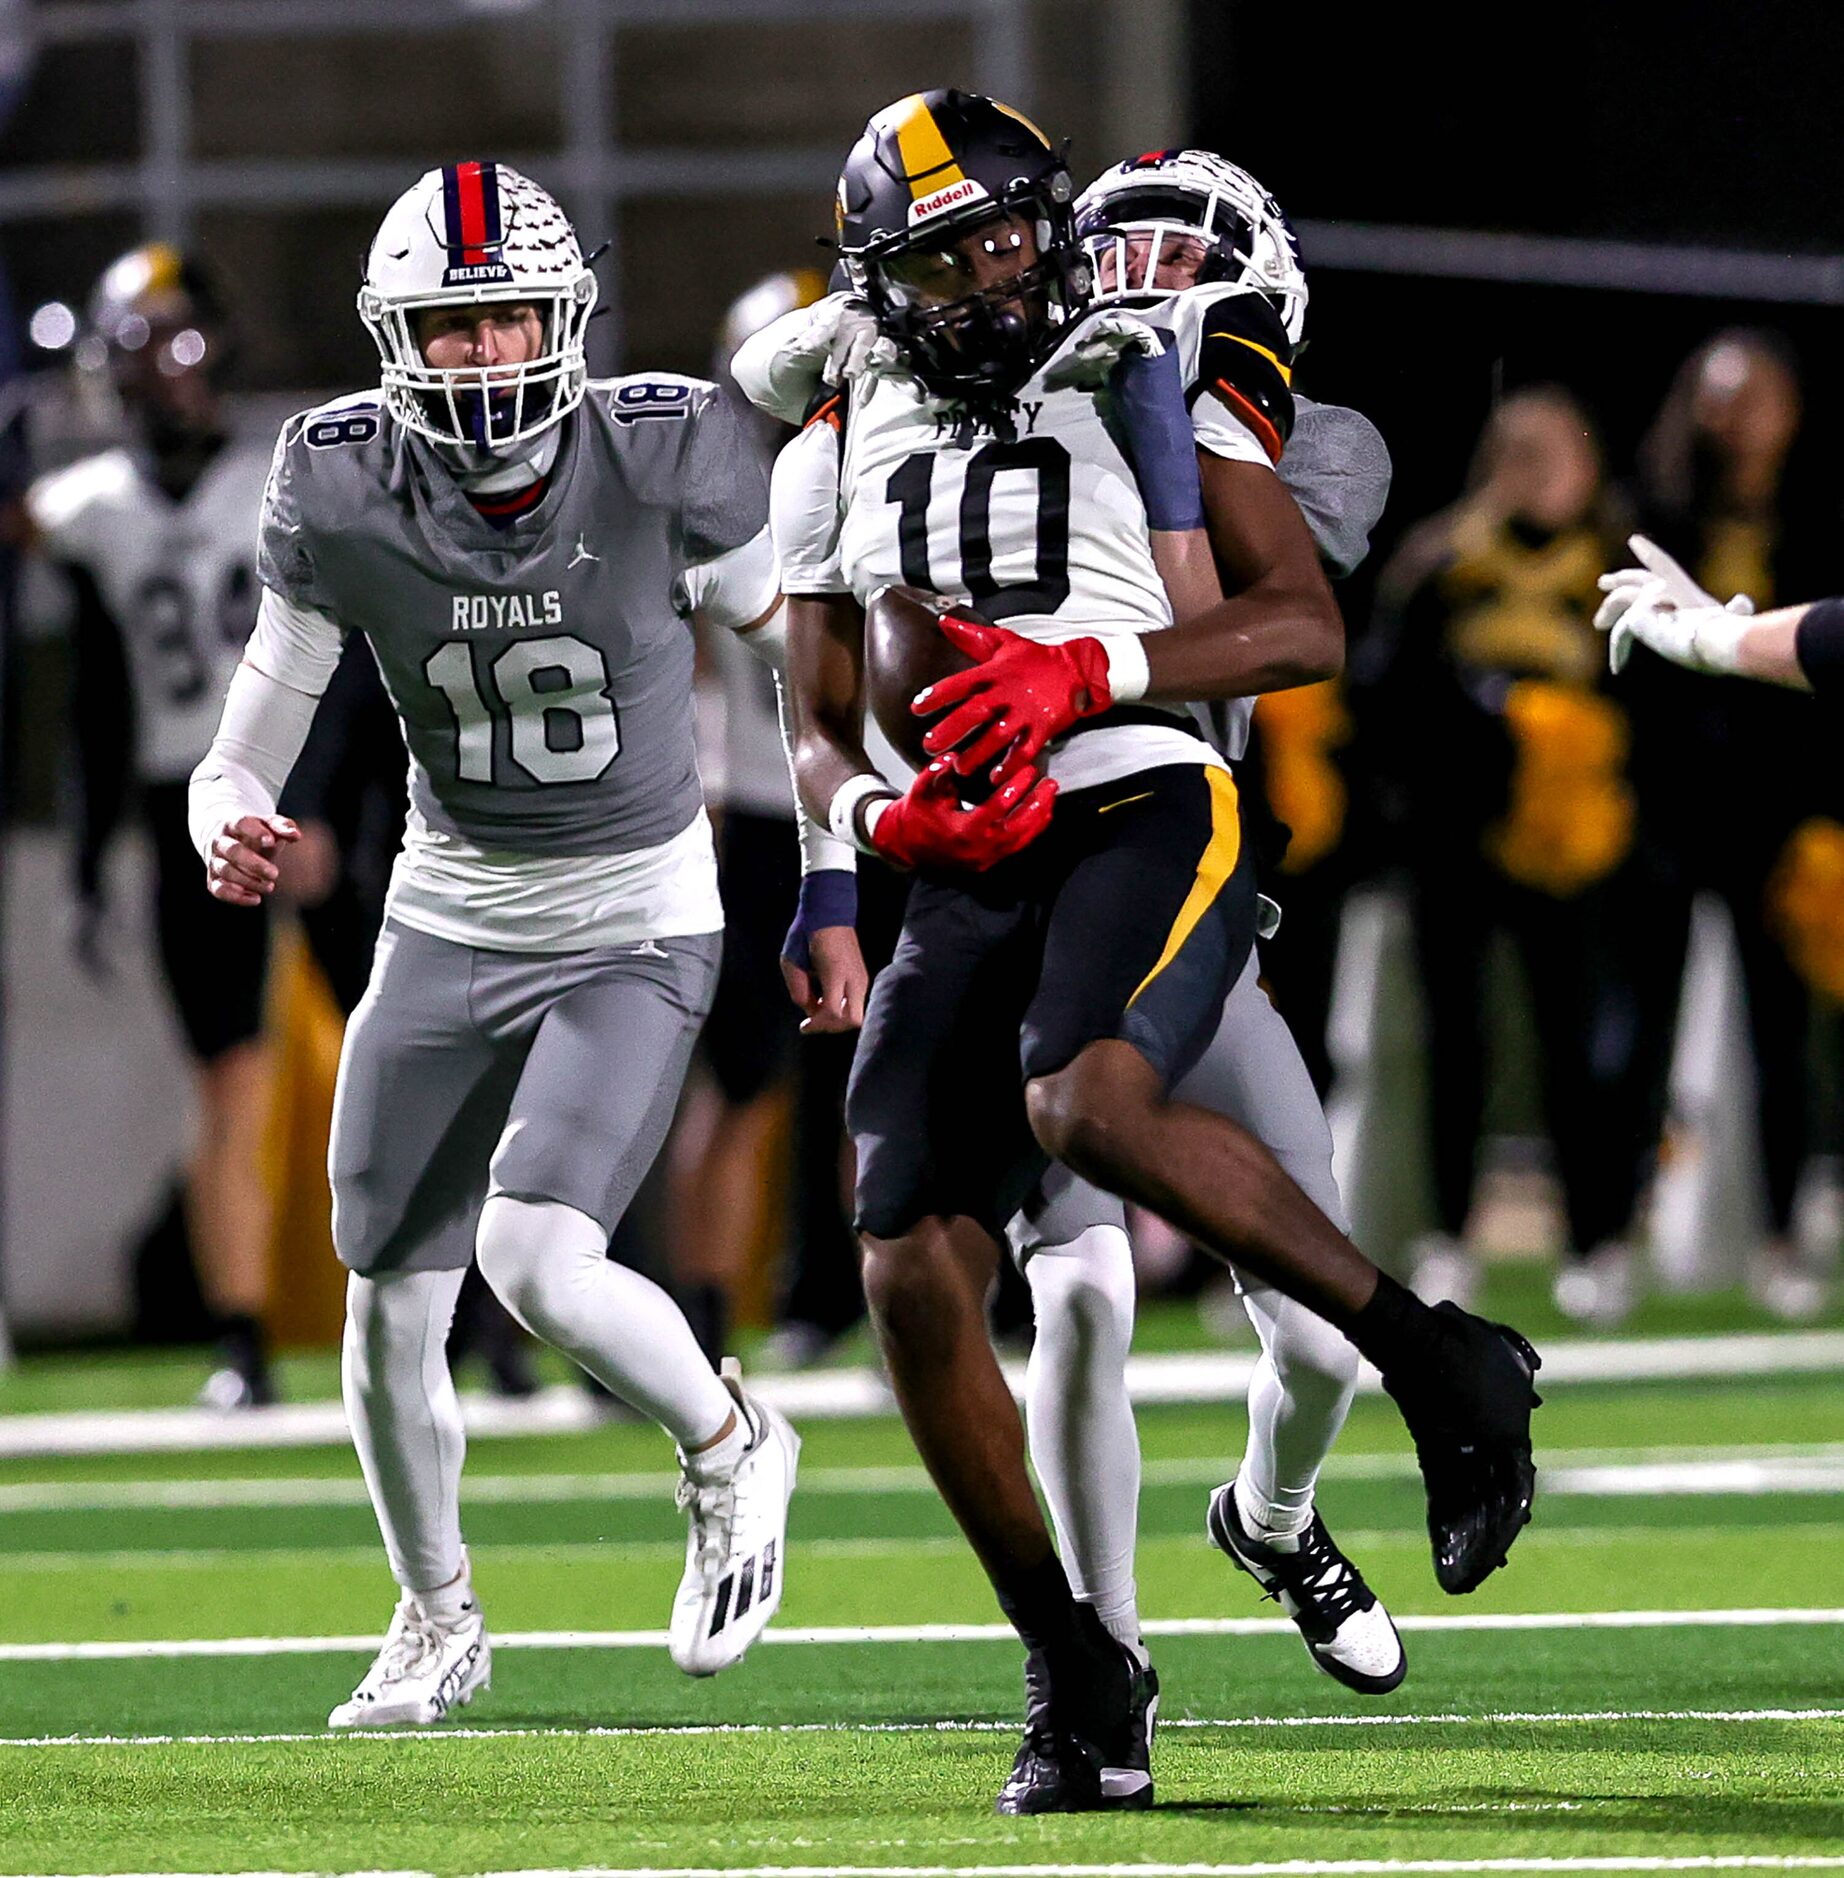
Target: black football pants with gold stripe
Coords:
[[1130, 918]]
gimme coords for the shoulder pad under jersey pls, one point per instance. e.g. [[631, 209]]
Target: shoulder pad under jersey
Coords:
[[830, 405], [686, 445], [67, 505], [327, 462], [1232, 344], [1337, 468]]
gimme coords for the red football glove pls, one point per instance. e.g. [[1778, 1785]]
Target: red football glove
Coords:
[[930, 827], [1019, 696]]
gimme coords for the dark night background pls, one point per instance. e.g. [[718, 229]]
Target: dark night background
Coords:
[[1714, 125]]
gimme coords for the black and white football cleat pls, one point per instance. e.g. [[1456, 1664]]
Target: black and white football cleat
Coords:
[[736, 1550], [1468, 1404], [1091, 1752], [1344, 1626]]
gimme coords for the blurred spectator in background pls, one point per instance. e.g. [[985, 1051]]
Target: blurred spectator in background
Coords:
[[157, 541], [1506, 765], [1294, 771], [1726, 770]]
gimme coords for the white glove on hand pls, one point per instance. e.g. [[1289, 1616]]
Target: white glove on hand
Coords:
[[1107, 338], [856, 346], [1659, 605], [781, 368]]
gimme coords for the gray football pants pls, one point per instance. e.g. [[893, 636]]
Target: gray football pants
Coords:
[[1253, 1073], [548, 1076]]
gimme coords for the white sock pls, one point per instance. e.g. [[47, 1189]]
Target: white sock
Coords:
[[549, 1265], [405, 1421], [449, 1603], [1298, 1399], [718, 1461], [1084, 1444]]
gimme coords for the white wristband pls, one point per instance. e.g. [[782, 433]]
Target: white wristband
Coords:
[[1128, 675], [842, 811], [821, 851]]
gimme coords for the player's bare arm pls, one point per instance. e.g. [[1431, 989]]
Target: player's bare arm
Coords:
[[829, 990], [1279, 625], [826, 685]]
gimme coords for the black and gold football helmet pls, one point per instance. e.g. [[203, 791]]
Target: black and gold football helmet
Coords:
[[937, 196]]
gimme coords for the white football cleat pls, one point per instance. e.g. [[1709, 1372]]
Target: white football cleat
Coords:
[[1601, 1291], [424, 1670], [1785, 1287], [735, 1553], [1344, 1626], [1440, 1267]]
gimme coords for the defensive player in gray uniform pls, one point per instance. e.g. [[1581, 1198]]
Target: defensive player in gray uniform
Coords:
[[1180, 235], [157, 540], [1184, 237], [524, 550]]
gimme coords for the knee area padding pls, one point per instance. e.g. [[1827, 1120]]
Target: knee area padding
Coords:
[[531, 1252], [1085, 1288]]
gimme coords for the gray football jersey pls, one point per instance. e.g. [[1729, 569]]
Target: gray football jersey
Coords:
[[542, 671], [1337, 468]]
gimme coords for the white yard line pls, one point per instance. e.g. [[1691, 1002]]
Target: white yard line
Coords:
[[1284, 1868], [693, 1730], [910, 1633], [1767, 1467], [820, 1395], [1370, 1540]]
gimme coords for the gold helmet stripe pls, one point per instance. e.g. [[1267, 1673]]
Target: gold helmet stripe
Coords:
[[928, 163], [1025, 121]]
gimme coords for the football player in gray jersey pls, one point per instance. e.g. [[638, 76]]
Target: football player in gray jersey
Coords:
[[524, 550], [1176, 234]]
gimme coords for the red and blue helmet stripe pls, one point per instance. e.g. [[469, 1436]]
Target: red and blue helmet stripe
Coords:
[[473, 229]]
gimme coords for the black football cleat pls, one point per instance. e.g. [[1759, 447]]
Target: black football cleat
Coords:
[[1093, 1752], [1468, 1402], [1347, 1632]]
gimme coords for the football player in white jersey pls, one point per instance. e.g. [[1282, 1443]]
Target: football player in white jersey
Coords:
[[158, 539], [1066, 956], [1156, 226], [524, 550]]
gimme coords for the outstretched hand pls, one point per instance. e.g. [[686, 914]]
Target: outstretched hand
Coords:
[[1659, 605]]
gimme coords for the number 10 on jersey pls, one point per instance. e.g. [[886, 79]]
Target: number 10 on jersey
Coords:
[[553, 693]]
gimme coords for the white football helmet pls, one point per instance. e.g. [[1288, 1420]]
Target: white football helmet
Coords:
[[1129, 214], [470, 234]]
